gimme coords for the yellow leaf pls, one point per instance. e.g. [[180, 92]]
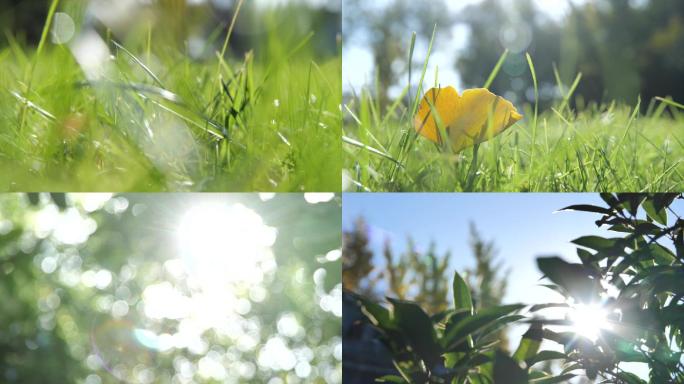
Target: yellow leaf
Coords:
[[474, 117]]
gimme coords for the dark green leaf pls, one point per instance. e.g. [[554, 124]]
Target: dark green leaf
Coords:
[[545, 356], [419, 330], [629, 378], [588, 208], [610, 199], [631, 201], [576, 279], [376, 313], [33, 198], [596, 243], [60, 200], [507, 370], [663, 200], [658, 214]]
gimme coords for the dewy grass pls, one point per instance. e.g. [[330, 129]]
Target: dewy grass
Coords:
[[268, 121], [597, 148]]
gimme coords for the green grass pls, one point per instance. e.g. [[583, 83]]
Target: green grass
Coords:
[[610, 147], [267, 121]]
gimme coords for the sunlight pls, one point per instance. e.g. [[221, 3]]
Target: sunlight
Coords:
[[589, 320], [224, 256], [223, 243]]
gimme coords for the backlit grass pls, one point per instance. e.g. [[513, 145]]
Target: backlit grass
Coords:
[[267, 120]]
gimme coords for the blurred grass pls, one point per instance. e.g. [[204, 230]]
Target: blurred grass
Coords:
[[609, 147], [265, 121]]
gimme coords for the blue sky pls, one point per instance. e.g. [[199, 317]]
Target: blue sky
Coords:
[[523, 226]]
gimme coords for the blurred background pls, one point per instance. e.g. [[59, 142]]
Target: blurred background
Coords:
[[168, 288], [623, 48], [189, 24]]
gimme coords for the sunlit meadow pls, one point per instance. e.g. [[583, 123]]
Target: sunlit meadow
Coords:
[[566, 141], [122, 96]]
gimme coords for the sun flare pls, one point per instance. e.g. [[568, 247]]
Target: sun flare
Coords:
[[588, 320], [225, 243]]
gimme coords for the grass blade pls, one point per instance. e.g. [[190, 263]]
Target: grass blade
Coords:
[[370, 149], [496, 70], [536, 108], [573, 87], [670, 102]]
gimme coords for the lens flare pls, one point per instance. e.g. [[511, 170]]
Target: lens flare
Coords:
[[118, 350], [589, 320]]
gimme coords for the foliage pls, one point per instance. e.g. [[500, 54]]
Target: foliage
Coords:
[[78, 273], [634, 280], [171, 112], [444, 347], [645, 265]]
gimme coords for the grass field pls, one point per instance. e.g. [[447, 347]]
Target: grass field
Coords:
[[609, 147], [159, 120]]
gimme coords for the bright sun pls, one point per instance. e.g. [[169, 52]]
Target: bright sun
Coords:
[[226, 243], [224, 256], [588, 320]]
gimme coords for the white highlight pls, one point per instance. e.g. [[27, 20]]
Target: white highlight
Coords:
[[589, 320], [92, 54], [63, 28]]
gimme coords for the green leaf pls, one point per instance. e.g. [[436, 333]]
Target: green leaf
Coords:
[[661, 255], [631, 201], [462, 299], [60, 200], [657, 214], [530, 343], [419, 330], [588, 208], [545, 356], [663, 200], [539, 307], [629, 378], [507, 370], [596, 243], [610, 199], [495, 326], [376, 313], [586, 257], [33, 198], [577, 280], [456, 332]]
